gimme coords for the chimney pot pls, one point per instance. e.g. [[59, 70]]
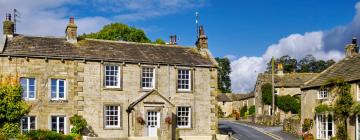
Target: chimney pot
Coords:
[[202, 42], [352, 49], [8, 26]]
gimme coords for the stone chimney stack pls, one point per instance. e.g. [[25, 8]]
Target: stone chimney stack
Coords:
[[280, 69], [352, 49], [71, 31], [202, 42], [8, 26]]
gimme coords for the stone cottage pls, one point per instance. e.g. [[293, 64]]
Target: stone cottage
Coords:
[[316, 92], [241, 100], [225, 103], [285, 84], [229, 102], [123, 89]]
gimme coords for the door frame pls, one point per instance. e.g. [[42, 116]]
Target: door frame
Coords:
[[158, 115]]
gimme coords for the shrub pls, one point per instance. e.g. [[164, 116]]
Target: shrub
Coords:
[[322, 108], [243, 111], [307, 125], [46, 135], [252, 110], [10, 130], [288, 103], [79, 124]]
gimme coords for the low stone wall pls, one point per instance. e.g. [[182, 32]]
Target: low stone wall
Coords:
[[267, 120], [218, 137], [292, 125]]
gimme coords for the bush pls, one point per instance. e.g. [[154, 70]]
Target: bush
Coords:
[[10, 130], [322, 108], [266, 94], [307, 125], [243, 111], [252, 110], [79, 124], [46, 135], [288, 103]]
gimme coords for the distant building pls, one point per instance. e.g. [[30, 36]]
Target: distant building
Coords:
[[285, 84], [229, 102]]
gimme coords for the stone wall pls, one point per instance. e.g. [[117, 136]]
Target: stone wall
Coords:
[[86, 95]]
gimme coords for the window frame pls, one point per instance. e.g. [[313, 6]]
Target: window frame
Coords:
[[319, 129], [321, 93], [190, 80], [28, 89], [58, 122], [119, 76], [28, 119], [153, 78], [189, 125], [358, 91], [119, 117], [57, 93]]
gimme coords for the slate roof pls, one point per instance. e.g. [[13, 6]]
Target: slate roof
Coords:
[[92, 49], [223, 97], [347, 69], [239, 97], [287, 79]]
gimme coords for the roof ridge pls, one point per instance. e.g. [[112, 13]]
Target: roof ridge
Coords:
[[43, 36], [140, 43], [324, 71]]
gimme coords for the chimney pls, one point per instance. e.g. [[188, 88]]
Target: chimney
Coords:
[[202, 41], [71, 31], [171, 40], [280, 69], [8, 26], [352, 49], [174, 40]]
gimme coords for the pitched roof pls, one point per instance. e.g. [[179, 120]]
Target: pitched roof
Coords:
[[347, 69], [92, 49], [239, 97], [134, 103], [286, 80], [223, 97]]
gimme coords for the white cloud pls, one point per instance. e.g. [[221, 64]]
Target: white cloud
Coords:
[[49, 17], [321, 44]]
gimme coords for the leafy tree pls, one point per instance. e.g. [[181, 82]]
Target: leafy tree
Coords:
[[252, 110], [224, 70], [159, 41], [243, 111], [119, 31], [289, 64], [12, 107], [266, 92]]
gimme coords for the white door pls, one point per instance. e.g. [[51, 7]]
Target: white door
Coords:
[[153, 122]]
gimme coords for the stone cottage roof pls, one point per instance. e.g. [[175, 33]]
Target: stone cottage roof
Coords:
[[239, 97], [286, 80], [347, 69], [223, 97], [101, 50]]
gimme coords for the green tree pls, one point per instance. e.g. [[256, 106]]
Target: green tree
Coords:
[[12, 107], [266, 94], [224, 70], [252, 110], [288, 103], [289, 64], [119, 31], [159, 41]]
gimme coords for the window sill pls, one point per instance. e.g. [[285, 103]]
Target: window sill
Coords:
[[185, 128], [183, 91], [59, 101], [29, 100], [113, 88], [112, 128], [147, 89]]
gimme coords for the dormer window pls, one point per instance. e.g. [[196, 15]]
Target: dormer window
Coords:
[[323, 93]]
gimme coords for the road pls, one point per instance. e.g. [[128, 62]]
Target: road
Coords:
[[242, 132]]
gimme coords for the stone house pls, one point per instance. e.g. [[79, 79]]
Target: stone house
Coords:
[[123, 89], [316, 91], [225, 103], [284, 84], [241, 100]]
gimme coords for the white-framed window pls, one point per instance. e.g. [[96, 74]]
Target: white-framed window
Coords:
[[28, 123], [358, 92], [184, 80], [324, 126], [58, 89], [112, 76], [29, 88], [58, 124], [148, 78], [183, 117], [112, 116], [323, 93]]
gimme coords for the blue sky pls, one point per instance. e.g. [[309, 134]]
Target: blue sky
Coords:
[[249, 32]]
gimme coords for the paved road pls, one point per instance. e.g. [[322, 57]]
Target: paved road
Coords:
[[241, 132]]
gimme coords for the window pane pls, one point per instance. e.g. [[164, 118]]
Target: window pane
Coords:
[[24, 124], [32, 123], [54, 124], [53, 88], [23, 82]]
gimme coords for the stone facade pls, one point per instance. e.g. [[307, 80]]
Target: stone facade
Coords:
[[86, 94]]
